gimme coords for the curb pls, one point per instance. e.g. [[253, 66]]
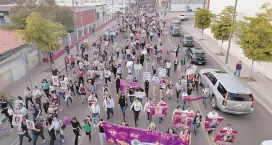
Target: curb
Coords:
[[225, 67]]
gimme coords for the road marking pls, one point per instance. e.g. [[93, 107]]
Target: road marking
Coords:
[[15, 140], [81, 139], [208, 137]]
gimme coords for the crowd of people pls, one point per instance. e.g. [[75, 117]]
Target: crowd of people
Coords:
[[108, 60]]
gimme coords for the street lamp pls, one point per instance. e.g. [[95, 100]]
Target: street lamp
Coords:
[[75, 26], [231, 31]]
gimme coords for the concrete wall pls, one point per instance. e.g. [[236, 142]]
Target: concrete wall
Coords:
[[17, 65], [244, 8], [184, 7]]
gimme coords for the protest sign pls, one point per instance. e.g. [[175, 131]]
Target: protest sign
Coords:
[[191, 69], [129, 64], [225, 137], [66, 121], [55, 80], [162, 72], [63, 85], [155, 81], [122, 135], [191, 98], [212, 124], [158, 110], [17, 119], [125, 84], [87, 128], [139, 94], [182, 119], [147, 76], [138, 66], [30, 124]]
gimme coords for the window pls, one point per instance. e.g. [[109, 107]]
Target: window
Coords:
[[239, 97], [221, 89], [211, 77]]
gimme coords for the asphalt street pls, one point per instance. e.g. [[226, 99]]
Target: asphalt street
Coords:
[[253, 128]]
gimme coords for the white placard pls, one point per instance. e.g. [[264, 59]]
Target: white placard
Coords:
[[63, 85], [155, 81], [30, 124], [55, 80], [140, 94], [147, 76], [138, 66], [17, 119], [129, 63], [162, 72]]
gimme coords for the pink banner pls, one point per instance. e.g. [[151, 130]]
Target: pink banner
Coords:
[[126, 84], [158, 109], [212, 124], [190, 98], [225, 137], [182, 119]]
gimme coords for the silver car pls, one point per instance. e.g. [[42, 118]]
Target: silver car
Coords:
[[227, 92]]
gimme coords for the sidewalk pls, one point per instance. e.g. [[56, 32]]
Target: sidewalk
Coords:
[[261, 87], [43, 71]]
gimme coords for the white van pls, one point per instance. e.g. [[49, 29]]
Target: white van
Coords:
[[227, 92]]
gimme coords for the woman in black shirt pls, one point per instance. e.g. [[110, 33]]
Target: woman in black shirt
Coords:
[[146, 84], [123, 103], [76, 129], [102, 135], [117, 82]]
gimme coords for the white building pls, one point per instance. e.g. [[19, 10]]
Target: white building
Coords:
[[186, 5], [244, 8]]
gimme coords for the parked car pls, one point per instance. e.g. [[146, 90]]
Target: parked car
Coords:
[[187, 40], [183, 17], [197, 55], [174, 23], [227, 92], [175, 31]]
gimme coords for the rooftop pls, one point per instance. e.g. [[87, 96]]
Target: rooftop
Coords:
[[8, 41]]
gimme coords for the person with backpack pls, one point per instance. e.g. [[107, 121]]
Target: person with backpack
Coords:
[[38, 131]]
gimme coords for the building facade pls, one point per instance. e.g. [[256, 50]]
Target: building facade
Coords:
[[186, 5], [244, 8]]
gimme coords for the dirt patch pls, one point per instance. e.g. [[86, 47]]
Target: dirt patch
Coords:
[[248, 79]]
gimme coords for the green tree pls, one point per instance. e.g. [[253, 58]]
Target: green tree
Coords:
[[255, 35], [222, 25], [203, 19], [64, 15], [46, 8], [45, 33]]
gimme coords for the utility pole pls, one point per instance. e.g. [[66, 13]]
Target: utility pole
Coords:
[[231, 32], [75, 26]]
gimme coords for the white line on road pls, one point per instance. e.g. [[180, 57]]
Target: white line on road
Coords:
[[15, 141], [81, 139]]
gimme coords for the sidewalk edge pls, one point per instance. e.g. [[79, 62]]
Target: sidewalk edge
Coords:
[[226, 68]]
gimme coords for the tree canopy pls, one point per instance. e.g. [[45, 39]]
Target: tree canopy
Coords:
[[46, 8], [45, 33], [203, 18], [255, 35], [221, 27]]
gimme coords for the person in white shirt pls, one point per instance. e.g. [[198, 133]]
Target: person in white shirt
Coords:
[[95, 109], [228, 137], [189, 110], [81, 66], [68, 95], [36, 92], [147, 108], [56, 124], [22, 111], [205, 92], [108, 104], [178, 109], [107, 75], [178, 89], [212, 115], [184, 94], [168, 68], [136, 107]]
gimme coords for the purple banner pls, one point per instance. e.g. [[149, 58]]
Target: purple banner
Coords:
[[126, 84], [116, 134]]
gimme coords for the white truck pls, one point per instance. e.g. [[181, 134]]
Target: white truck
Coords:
[[183, 17]]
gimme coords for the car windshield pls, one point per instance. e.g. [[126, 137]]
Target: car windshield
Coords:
[[239, 97], [175, 28], [199, 54], [190, 38]]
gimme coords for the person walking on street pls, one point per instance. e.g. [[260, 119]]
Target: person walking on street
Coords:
[[146, 84], [147, 109], [205, 92], [238, 69], [136, 107], [197, 121], [88, 121], [28, 96], [123, 103], [109, 105], [23, 131], [102, 135], [38, 131], [76, 129], [95, 109], [117, 82], [45, 86], [212, 115]]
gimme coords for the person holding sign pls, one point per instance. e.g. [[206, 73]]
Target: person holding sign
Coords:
[[23, 131], [87, 127], [136, 107], [212, 115], [228, 137]]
